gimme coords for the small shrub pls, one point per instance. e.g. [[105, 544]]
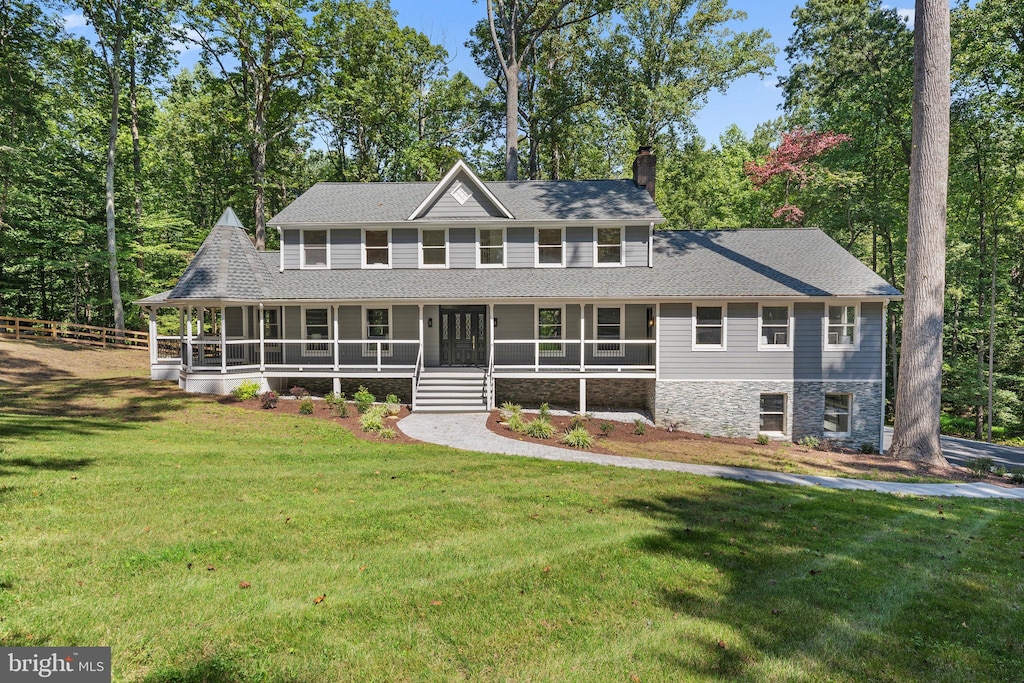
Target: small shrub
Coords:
[[394, 406], [545, 411], [980, 466], [516, 423], [298, 392], [341, 410], [826, 445], [372, 420], [809, 441], [508, 409], [363, 398], [268, 399], [1017, 476], [539, 429], [387, 433], [639, 427], [333, 399], [578, 437], [577, 420], [607, 428], [247, 390], [306, 406], [762, 439], [868, 448]]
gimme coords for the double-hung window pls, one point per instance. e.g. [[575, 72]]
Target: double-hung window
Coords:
[[549, 326], [609, 326], [709, 327], [773, 413], [376, 249], [609, 247], [550, 247], [491, 251], [378, 327], [774, 327], [434, 248], [837, 414], [841, 331], [317, 324], [314, 249]]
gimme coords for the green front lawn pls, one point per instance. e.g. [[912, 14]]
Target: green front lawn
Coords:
[[444, 565]]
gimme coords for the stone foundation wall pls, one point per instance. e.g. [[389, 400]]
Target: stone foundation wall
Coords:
[[626, 394], [563, 394], [379, 387], [732, 408]]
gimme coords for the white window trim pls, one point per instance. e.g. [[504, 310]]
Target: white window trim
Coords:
[[326, 341], [694, 346], [447, 250], [376, 266], [856, 327], [536, 330], [785, 413], [536, 249], [849, 414], [302, 249], [504, 249], [622, 248], [761, 345], [621, 351], [371, 348]]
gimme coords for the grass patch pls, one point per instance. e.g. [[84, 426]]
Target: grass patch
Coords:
[[437, 564]]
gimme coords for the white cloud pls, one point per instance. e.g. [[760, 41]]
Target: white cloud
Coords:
[[75, 20]]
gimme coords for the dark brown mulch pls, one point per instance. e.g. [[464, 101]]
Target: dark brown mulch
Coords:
[[323, 411]]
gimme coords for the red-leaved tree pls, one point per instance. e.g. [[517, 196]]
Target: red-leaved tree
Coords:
[[793, 162]]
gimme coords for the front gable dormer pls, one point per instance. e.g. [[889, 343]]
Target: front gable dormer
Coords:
[[460, 194]]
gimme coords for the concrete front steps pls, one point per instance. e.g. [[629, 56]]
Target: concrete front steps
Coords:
[[451, 390]]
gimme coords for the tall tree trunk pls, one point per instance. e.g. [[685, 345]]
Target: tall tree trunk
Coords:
[[919, 392], [115, 278], [512, 122], [258, 158], [133, 104], [992, 323]]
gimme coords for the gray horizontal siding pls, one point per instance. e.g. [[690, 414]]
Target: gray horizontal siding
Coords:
[[519, 247], [432, 336], [346, 248], [579, 246], [290, 247], [477, 206], [462, 248], [636, 237], [742, 360], [405, 245]]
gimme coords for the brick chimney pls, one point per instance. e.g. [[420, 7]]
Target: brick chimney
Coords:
[[644, 169]]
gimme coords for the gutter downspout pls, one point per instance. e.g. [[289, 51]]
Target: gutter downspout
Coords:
[[650, 245], [881, 426]]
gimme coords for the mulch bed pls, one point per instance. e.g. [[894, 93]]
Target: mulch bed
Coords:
[[845, 461], [322, 411]]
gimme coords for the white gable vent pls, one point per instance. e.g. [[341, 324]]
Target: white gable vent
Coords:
[[460, 193]]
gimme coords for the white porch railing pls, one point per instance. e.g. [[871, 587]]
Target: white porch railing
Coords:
[[606, 355], [205, 355]]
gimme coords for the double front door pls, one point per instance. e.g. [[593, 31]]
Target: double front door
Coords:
[[463, 336]]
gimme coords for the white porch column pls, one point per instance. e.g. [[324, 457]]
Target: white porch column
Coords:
[[583, 346], [263, 353], [490, 357], [885, 332], [657, 341], [421, 325], [583, 394], [188, 346], [223, 343], [334, 343], [153, 341]]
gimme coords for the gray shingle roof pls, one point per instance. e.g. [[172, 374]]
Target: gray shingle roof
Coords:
[[710, 264], [566, 200]]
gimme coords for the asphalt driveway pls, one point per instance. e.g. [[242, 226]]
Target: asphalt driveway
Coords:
[[959, 451]]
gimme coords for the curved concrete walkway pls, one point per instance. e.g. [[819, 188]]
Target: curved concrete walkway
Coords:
[[468, 431]]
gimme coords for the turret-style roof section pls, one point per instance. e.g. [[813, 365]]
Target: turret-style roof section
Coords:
[[227, 266], [229, 219], [527, 201]]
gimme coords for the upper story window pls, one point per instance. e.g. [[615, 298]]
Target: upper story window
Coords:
[[314, 249], [491, 249], [434, 248], [709, 327], [841, 327], [376, 248], [608, 323], [609, 247], [460, 193], [550, 247], [773, 327], [549, 326]]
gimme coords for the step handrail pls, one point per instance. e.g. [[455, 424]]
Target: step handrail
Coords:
[[416, 375]]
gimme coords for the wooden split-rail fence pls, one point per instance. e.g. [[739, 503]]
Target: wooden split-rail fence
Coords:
[[27, 328]]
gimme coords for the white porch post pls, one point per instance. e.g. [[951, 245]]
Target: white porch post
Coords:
[[153, 341], [263, 352], [885, 331], [223, 343], [583, 394], [188, 346], [583, 347], [657, 341], [335, 344]]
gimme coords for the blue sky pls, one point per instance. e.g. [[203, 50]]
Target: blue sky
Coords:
[[748, 102]]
